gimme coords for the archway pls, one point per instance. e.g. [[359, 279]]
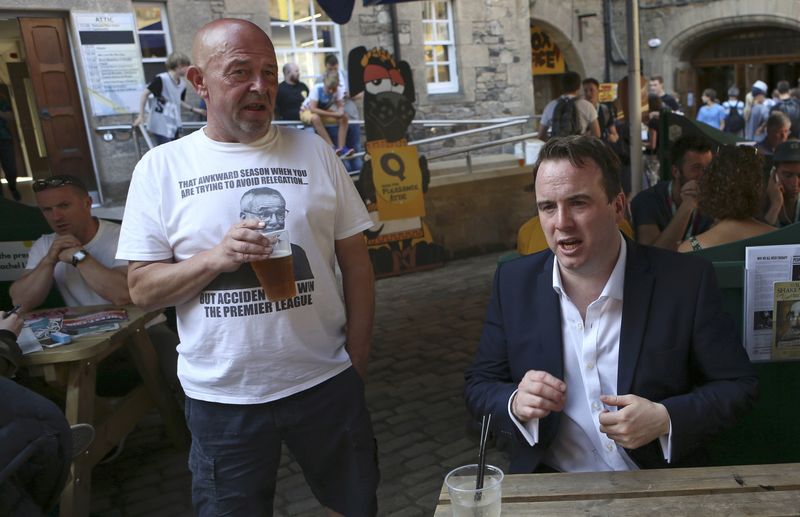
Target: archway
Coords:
[[547, 85]]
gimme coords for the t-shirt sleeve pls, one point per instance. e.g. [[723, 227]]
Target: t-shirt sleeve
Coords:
[[37, 252], [644, 209], [156, 86], [351, 214], [142, 237], [547, 114]]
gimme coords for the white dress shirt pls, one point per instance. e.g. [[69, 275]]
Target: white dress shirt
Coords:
[[591, 359]]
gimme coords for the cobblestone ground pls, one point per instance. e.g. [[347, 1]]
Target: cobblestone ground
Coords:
[[426, 330]]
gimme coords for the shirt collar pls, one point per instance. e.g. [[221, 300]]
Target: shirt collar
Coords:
[[615, 283]]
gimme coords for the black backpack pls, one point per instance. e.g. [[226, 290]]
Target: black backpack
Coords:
[[734, 121], [565, 118]]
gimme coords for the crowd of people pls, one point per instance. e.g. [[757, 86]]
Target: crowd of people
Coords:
[[601, 353]]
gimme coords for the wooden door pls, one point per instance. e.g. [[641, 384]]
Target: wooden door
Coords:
[[26, 107], [56, 91]]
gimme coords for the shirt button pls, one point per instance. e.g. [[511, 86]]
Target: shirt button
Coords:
[[596, 405], [589, 365], [610, 447], [579, 325]]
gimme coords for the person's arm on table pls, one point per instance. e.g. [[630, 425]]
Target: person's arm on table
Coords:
[[31, 289], [359, 298], [110, 283], [155, 285]]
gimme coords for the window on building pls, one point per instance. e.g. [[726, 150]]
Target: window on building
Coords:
[[154, 40], [303, 34], [440, 47]]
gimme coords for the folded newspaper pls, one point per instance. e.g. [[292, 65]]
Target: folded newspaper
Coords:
[[44, 328]]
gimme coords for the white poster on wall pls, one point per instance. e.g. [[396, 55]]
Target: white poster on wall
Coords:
[[112, 62], [13, 257]]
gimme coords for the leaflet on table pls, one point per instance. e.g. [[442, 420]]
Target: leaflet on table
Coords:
[[765, 265], [56, 327]]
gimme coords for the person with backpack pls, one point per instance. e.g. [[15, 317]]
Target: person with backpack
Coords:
[[711, 113], [790, 106], [734, 108], [569, 114]]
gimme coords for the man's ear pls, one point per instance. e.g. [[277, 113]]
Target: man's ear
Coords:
[[195, 77], [675, 172]]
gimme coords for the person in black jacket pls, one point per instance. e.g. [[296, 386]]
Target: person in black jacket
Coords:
[[35, 437]]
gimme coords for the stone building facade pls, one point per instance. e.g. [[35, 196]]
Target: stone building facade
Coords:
[[701, 43]]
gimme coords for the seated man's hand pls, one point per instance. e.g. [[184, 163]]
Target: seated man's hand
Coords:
[[637, 422], [62, 249], [774, 190], [243, 243], [537, 395]]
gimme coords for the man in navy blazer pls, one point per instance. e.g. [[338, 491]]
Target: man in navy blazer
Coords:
[[599, 353]]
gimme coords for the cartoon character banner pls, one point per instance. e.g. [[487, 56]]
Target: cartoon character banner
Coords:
[[394, 178]]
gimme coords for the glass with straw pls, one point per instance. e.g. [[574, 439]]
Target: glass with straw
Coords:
[[475, 490]]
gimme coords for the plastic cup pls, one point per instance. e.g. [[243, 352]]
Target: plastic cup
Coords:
[[466, 500], [276, 274]]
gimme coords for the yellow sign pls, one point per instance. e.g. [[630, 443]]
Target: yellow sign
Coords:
[[546, 57], [398, 181], [608, 92]]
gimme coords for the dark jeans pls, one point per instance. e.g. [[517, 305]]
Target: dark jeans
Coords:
[[352, 141], [236, 450]]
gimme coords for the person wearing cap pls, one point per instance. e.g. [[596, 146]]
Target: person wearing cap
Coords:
[[783, 185], [757, 114]]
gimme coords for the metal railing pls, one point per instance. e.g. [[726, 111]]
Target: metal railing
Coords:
[[487, 126]]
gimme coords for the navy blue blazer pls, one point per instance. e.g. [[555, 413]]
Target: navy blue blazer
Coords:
[[677, 347]]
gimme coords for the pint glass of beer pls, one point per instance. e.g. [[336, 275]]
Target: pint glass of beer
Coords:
[[276, 274]]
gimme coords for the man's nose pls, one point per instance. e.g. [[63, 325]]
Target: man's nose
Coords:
[[260, 84], [563, 217]]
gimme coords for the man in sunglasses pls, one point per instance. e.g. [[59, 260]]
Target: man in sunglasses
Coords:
[[78, 256]]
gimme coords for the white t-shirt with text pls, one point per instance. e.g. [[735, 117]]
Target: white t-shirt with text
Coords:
[[73, 288], [236, 346]]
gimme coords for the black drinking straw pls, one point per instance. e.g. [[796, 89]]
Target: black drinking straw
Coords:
[[487, 419]]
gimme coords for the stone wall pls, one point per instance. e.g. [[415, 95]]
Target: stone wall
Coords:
[[479, 213], [492, 52]]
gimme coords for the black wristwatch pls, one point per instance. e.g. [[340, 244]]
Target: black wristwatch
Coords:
[[79, 256]]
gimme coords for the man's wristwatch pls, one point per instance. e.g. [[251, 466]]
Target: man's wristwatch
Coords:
[[79, 256]]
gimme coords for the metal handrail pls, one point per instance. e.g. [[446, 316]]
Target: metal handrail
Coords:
[[497, 123]]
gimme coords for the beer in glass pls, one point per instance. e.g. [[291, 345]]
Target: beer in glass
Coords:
[[276, 274]]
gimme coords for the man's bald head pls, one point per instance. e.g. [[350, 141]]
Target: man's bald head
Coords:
[[215, 37]]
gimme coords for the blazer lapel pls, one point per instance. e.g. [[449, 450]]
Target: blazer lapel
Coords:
[[548, 313], [636, 298], [549, 348]]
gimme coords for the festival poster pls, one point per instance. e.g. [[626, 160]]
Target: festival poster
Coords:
[[398, 182]]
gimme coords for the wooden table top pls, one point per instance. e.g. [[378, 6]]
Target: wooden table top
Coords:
[[758, 490], [85, 347]]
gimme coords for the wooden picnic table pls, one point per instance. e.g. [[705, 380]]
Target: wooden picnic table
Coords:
[[73, 368], [758, 490]]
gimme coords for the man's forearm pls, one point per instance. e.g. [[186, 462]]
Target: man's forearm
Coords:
[[674, 232], [359, 298], [155, 285], [771, 217], [31, 290], [111, 284]]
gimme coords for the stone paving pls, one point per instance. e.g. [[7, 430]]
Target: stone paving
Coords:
[[426, 329]]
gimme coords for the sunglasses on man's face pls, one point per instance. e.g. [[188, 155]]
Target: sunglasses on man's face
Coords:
[[56, 181]]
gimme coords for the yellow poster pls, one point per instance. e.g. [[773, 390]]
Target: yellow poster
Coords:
[[398, 181], [608, 92], [546, 57]]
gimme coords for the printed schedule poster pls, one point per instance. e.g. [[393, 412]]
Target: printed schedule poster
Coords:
[[112, 62]]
